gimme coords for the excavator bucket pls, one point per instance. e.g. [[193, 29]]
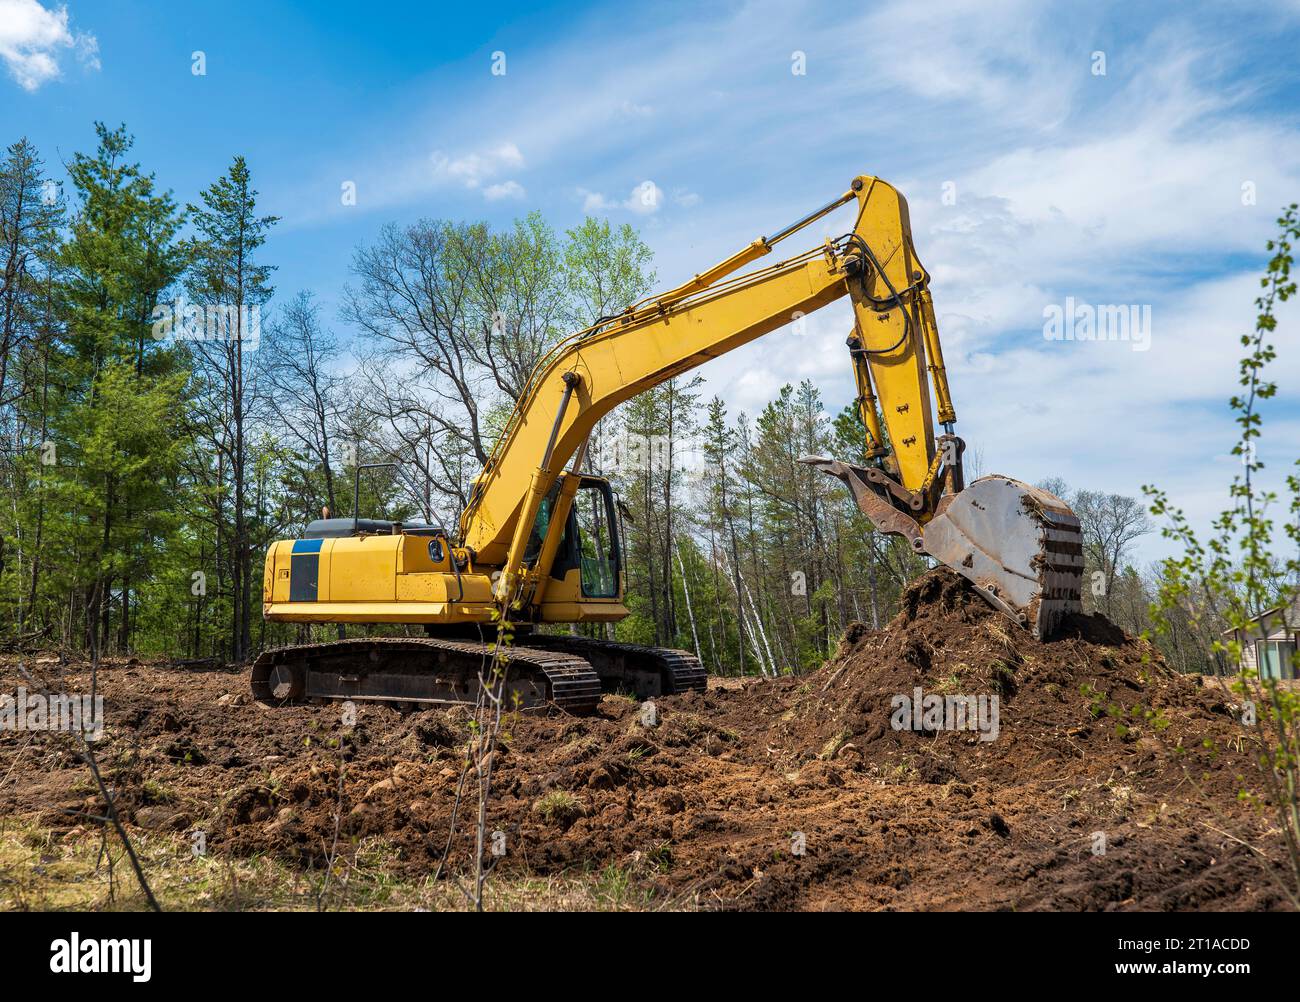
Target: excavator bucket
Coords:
[[1020, 546]]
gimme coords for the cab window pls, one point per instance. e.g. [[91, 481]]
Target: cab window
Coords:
[[597, 544], [540, 526]]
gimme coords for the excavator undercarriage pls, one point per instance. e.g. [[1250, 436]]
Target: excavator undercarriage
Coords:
[[567, 672]]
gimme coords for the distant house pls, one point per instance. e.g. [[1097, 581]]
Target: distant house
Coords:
[[1269, 643]]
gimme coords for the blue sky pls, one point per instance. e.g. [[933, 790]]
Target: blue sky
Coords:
[[1122, 188]]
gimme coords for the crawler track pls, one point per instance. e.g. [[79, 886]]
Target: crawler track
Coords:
[[430, 671], [644, 670]]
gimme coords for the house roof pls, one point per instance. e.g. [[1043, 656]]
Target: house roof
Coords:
[[1255, 619]]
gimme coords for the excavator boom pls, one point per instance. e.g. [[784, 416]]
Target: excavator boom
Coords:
[[1019, 544]]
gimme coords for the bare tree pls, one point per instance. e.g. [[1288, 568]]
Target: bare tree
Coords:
[[415, 300], [455, 318], [409, 428], [1111, 523], [519, 304], [304, 386]]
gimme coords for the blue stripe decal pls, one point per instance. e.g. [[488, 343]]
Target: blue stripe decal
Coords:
[[307, 545]]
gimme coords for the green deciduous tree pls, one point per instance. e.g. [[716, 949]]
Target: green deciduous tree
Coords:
[[1235, 576]]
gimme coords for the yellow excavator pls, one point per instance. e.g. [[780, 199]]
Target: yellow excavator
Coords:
[[539, 540]]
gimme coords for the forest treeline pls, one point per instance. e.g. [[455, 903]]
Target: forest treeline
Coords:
[[166, 413]]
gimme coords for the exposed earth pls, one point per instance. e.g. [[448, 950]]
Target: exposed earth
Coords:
[[1112, 783]]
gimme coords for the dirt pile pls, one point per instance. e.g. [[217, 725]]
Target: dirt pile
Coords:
[[1086, 703], [798, 792]]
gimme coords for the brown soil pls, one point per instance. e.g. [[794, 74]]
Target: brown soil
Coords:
[[1095, 735]]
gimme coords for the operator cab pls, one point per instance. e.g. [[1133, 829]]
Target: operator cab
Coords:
[[591, 540]]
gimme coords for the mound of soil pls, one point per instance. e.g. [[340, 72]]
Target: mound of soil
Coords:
[[1099, 779], [1088, 702]]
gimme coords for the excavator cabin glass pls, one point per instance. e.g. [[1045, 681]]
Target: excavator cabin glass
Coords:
[[590, 540], [597, 540]]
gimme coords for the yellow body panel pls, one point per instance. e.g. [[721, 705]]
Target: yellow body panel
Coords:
[[582, 612], [379, 612], [326, 567], [275, 582], [367, 566], [411, 597], [565, 603], [376, 579]]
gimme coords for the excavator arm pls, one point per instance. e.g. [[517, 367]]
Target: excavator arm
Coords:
[[1019, 544]]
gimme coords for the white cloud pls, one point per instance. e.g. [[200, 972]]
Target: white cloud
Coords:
[[644, 200], [87, 47], [988, 57], [472, 169], [593, 201], [31, 38], [507, 189]]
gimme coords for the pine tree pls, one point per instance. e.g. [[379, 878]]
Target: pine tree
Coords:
[[232, 287], [117, 413], [31, 214]]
